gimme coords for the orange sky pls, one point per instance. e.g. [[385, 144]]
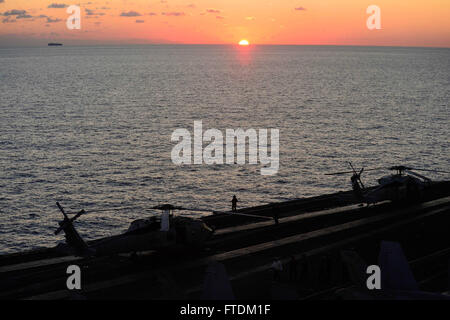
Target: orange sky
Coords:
[[343, 22]]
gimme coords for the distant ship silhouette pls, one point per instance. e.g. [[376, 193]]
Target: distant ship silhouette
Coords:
[[51, 44]]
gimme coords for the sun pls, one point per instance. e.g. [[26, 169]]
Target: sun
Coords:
[[244, 42]]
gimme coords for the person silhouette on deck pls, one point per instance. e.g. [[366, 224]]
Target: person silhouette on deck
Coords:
[[234, 202], [277, 268], [276, 216]]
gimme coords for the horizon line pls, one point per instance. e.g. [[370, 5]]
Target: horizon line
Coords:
[[222, 44]]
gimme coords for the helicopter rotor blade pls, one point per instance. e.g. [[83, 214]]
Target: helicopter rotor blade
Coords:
[[194, 209], [166, 206], [347, 172], [171, 207], [354, 171], [338, 173], [430, 170], [216, 212], [362, 185], [418, 175]]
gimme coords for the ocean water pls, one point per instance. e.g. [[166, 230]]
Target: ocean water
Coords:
[[91, 126]]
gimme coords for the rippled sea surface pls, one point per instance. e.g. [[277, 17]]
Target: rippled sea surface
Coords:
[[91, 126]]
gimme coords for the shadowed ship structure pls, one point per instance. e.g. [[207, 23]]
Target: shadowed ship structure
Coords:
[[320, 246]]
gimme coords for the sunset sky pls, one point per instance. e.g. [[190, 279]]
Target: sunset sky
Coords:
[[322, 22]]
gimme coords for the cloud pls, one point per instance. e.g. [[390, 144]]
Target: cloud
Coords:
[[175, 14], [140, 21], [300, 9], [152, 14], [130, 14], [90, 12], [14, 12], [8, 20], [1, 1], [212, 11], [24, 16], [57, 6], [50, 20], [18, 14], [220, 17]]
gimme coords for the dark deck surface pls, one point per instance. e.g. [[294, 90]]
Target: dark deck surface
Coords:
[[317, 228]]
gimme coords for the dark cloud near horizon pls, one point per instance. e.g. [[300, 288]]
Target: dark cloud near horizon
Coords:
[[14, 12], [17, 14], [7, 20], [300, 9], [57, 6], [50, 20], [130, 14], [140, 21], [90, 12], [212, 11], [174, 14], [22, 14]]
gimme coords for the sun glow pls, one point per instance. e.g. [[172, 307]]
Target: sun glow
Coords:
[[244, 42]]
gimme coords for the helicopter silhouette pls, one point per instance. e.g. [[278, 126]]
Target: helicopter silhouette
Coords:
[[150, 234], [404, 185], [165, 232]]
